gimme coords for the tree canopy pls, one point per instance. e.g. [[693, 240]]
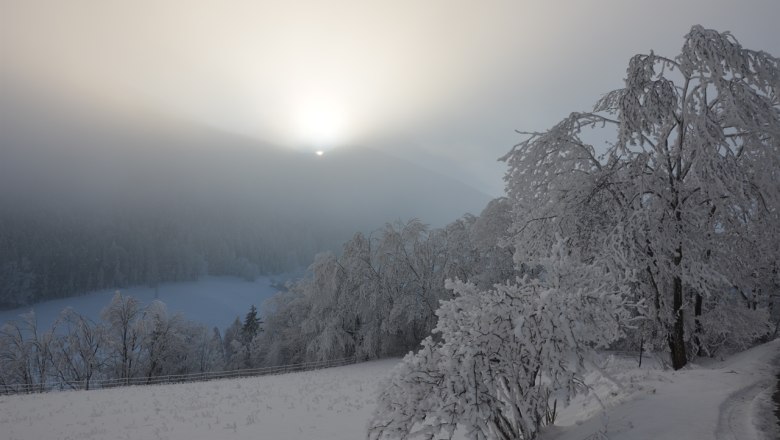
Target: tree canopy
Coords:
[[660, 203], [687, 191]]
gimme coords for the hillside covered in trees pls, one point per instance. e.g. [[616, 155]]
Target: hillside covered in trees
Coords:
[[108, 198]]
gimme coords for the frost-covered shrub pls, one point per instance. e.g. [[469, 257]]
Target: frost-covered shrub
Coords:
[[500, 356], [733, 328]]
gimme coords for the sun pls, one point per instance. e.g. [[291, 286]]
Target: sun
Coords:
[[320, 124]]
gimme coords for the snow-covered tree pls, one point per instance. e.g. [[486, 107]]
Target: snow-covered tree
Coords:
[[379, 297], [15, 356], [41, 342], [123, 336], [209, 350], [25, 353], [165, 341], [689, 183], [500, 358], [283, 340], [414, 263], [489, 236], [330, 325], [652, 224], [78, 349], [232, 347]]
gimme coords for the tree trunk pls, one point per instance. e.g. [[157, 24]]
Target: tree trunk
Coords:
[[698, 328], [676, 337]]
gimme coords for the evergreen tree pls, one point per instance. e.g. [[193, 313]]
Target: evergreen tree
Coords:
[[249, 332], [251, 326]]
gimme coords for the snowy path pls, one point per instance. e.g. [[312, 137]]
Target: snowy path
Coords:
[[736, 420], [725, 400]]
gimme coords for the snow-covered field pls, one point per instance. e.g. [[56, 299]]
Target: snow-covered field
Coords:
[[326, 404], [214, 301], [723, 400]]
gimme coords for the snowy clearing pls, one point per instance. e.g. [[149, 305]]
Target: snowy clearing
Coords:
[[324, 404], [723, 400], [213, 301]]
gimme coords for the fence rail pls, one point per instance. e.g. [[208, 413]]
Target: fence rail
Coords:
[[21, 388]]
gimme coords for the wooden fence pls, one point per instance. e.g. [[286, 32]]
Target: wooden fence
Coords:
[[21, 388]]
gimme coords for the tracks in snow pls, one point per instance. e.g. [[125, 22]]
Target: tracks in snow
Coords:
[[734, 419]]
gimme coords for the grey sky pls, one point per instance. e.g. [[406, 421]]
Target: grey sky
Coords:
[[440, 83]]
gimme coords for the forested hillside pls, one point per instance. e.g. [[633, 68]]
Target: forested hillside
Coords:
[[105, 198]]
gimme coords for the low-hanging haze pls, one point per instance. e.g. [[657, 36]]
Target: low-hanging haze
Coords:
[[441, 83]]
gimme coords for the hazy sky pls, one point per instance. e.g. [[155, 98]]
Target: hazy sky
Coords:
[[442, 83]]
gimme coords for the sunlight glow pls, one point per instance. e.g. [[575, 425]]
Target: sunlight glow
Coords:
[[319, 153], [321, 124], [324, 76]]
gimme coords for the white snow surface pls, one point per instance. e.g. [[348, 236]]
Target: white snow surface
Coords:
[[325, 404], [721, 400], [213, 301], [728, 399]]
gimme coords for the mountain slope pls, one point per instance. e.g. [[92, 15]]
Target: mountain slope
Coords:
[[93, 197]]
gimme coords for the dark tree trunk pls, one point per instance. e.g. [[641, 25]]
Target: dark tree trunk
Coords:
[[699, 329], [676, 337]]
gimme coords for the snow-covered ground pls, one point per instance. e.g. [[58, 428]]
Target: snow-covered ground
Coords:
[[214, 301], [326, 404], [723, 400], [728, 399]]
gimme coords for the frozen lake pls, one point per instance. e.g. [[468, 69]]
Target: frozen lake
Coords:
[[214, 301]]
